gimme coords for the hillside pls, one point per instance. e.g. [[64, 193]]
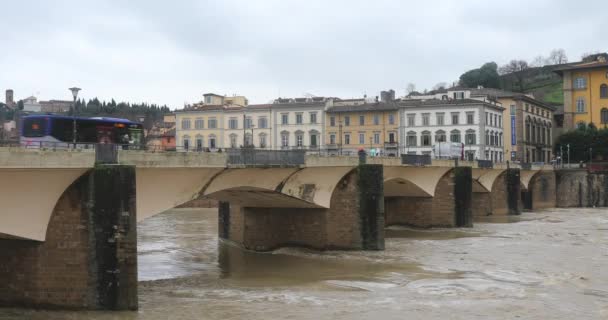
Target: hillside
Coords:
[[545, 84]]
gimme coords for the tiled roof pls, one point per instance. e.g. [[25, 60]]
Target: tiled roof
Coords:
[[379, 106], [446, 103]]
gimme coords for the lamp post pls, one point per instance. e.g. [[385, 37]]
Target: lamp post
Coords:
[[568, 155], [370, 145], [73, 112], [251, 126]]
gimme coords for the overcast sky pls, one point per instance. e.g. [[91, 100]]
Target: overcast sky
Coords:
[[171, 52]]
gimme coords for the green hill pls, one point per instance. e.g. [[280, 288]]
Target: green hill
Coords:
[[545, 84]]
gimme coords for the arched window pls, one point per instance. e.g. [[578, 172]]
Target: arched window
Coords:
[[604, 116], [455, 136], [186, 142], [440, 136], [426, 138], [199, 142], [212, 142], [471, 137], [604, 91], [262, 138], [411, 139], [580, 104], [233, 138]]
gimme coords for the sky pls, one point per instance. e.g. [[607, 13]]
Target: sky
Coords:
[[171, 52]]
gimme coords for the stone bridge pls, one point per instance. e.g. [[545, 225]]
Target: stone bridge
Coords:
[[68, 226]]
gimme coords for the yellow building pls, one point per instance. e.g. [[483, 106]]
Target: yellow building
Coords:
[[199, 128], [371, 126], [585, 86]]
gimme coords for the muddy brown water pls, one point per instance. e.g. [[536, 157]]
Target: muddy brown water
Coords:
[[545, 265]]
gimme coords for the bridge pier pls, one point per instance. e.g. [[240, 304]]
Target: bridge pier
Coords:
[[354, 219], [88, 259], [449, 205], [580, 188], [540, 191], [497, 192]]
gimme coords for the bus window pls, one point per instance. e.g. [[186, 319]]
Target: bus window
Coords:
[[34, 127], [135, 136], [62, 129]]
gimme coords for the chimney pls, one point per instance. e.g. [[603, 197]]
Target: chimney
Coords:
[[387, 96]]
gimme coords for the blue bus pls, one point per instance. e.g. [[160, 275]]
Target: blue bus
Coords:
[[58, 131]]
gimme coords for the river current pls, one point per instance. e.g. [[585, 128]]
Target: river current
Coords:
[[542, 265]]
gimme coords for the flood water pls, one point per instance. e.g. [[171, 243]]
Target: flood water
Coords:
[[544, 265]]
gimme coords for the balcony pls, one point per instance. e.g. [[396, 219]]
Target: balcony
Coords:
[[391, 145]]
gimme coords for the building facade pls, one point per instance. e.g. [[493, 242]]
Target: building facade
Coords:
[[200, 128], [585, 87], [371, 126], [298, 124], [476, 124], [248, 126]]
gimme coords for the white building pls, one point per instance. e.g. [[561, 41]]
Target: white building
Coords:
[[298, 123], [31, 104], [248, 126], [476, 124]]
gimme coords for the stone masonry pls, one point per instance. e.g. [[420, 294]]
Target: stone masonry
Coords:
[[89, 257]]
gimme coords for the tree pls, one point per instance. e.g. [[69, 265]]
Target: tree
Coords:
[[410, 88], [515, 69], [440, 86], [20, 105], [486, 76], [557, 56], [539, 61]]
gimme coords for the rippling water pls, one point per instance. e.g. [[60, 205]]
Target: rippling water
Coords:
[[545, 265]]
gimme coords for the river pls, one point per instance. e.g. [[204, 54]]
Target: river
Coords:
[[545, 265]]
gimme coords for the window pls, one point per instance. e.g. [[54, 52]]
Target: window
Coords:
[[332, 139], [361, 138], [313, 117], [604, 91], [285, 139], [391, 119], [512, 109], [347, 138], [347, 121], [376, 138], [440, 136], [313, 139], [376, 119], [470, 117], [233, 123], [426, 119], [248, 139], [198, 123], [439, 119], [426, 138], [361, 120], [208, 99], [186, 124], [455, 136], [262, 122], [332, 121], [604, 115], [212, 123], [487, 119], [284, 118], [499, 121], [262, 137], [580, 83], [580, 104], [391, 137], [411, 120], [299, 139], [298, 118], [233, 140], [199, 142], [455, 117], [248, 123], [487, 137], [410, 140], [186, 142], [470, 137], [495, 120], [212, 144], [459, 95]]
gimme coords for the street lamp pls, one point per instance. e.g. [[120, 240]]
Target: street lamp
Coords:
[[73, 112]]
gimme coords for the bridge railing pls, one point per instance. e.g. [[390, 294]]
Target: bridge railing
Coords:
[[416, 159], [253, 157]]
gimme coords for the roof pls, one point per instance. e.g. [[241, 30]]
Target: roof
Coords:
[[599, 62], [212, 94], [445, 103], [379, 106]]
